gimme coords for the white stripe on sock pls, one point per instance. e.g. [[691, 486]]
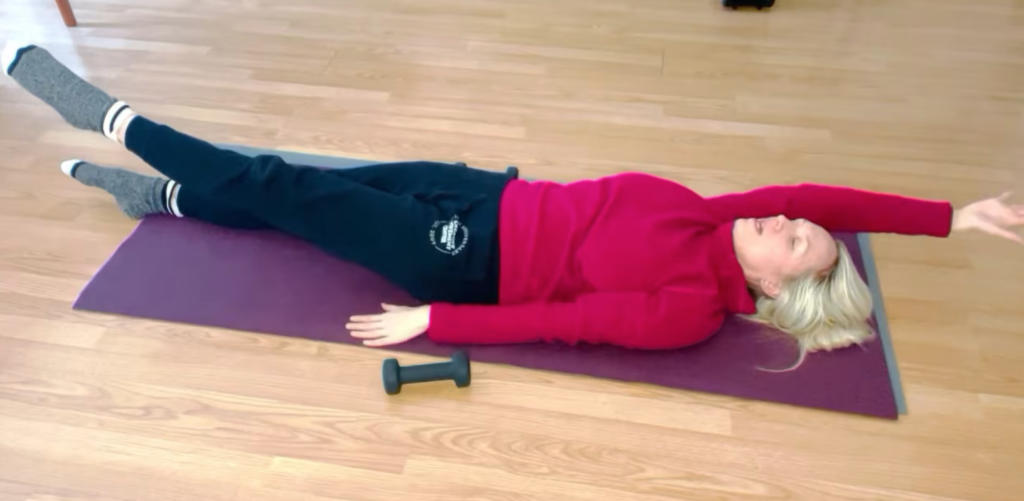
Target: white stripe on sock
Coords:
[[168, 189], [174, 202], [109, 116], [110, 129], [171, 190]]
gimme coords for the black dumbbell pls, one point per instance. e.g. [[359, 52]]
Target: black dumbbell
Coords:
[[760, 4], [512, 172], [456, 369]]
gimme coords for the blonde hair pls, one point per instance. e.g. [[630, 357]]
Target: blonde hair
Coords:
[[821, 311]]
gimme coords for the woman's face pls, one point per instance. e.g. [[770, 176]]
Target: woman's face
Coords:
[[774, 249]]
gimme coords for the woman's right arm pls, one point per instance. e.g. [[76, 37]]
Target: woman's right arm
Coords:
[[662, 320]]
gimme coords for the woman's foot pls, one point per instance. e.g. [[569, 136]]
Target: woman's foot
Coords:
[[82, 104], [136, 194]]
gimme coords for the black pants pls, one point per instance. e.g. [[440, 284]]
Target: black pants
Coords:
[[430, 228]]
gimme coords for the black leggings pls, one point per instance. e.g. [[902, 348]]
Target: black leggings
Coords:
[[430, 228]]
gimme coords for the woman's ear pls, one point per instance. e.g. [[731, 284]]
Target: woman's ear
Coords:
[[770, 288]]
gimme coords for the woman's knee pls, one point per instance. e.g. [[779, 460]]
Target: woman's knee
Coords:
[[272, 175]]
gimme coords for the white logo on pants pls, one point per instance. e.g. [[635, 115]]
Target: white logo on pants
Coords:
[[450, 236]]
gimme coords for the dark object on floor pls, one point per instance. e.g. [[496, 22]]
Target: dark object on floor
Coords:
[[456, 369], [759, 4], [268, 282], [513, 172]]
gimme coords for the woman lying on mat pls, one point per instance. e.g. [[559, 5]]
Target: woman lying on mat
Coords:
[[631, 259]]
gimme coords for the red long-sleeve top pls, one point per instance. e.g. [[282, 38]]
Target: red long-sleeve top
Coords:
[[643, 262]]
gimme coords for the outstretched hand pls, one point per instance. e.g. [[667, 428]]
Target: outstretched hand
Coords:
[[397, 324], [993, 216]]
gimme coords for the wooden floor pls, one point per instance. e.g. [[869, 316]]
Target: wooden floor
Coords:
[[923, 97]]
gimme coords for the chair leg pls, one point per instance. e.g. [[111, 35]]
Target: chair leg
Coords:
[[67, 13]]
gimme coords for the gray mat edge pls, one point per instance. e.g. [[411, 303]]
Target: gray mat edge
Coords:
[[863, 239], [871, 270]]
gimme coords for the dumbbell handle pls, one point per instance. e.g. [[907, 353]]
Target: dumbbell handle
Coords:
[[425, 372]]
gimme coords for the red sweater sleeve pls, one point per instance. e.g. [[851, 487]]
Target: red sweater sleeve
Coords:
[[841, 209], [632, 320]]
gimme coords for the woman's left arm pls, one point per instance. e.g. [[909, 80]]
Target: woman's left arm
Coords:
[[837, 208], [852, 210]]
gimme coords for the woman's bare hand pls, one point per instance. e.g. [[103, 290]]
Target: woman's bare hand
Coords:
[[397, 324], [993, 216]]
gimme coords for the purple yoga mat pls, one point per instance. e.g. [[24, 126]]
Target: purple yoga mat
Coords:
[[267, 282]]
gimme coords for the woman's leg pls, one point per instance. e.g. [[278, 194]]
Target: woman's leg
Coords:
[[407, 178], [438, 241], [188, 203], [433, 235], [139, 195]]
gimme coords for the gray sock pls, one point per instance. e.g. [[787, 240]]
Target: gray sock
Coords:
[[136, 194], [82, 104]]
